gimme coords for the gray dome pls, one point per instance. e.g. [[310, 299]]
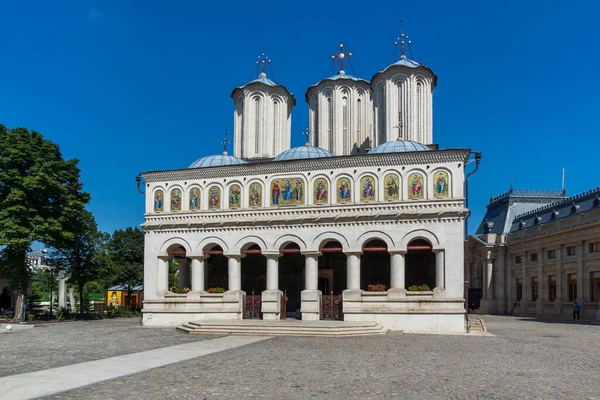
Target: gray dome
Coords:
[[399, 146], [217, 161], [303, 152]]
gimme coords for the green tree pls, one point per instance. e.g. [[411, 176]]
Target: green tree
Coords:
[[39, 194], [80, 255], [126, 248]]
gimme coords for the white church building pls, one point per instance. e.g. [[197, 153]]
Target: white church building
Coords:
[[365, 222]]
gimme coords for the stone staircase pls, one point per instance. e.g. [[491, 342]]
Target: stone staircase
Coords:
[[284, 328], [477, 325]]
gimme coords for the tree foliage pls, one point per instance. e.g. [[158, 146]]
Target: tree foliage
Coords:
[[40, 196], [126, 249]]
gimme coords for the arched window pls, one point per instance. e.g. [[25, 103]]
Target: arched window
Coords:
[[316, 122], [358, 120], [419, 107], [330, 124], [401, 110], [275, 125], [345, 123], [256, 125], [381, 116]]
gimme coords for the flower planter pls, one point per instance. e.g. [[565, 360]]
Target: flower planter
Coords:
[[175, 295], [419, 293], [373, 294]]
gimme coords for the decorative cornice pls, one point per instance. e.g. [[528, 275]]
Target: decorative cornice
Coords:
[[292, 166], [355, 215]]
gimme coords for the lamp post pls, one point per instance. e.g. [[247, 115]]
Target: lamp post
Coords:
[[477, 160]]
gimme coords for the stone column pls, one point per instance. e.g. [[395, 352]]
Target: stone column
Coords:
[[525, 283], [397, 270], [581, 281], [234, 273], [541, 283], [271, 298], [560, 278], [198, 274], [353, 271], [508, 295], [489, 270], [162, 275], [62, 290], [184, 273], [310, 304]]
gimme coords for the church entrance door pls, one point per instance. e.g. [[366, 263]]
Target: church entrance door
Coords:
[[291, 278]]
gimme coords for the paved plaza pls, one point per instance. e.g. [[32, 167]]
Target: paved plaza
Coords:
[[524, 359]]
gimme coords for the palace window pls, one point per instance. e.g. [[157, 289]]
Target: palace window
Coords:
[[518, 260], [595, 282], [533, 257], [550, 254], [551, 287], [519, 291], [534, 288], [572, 282], [594, 247], [571, 251]]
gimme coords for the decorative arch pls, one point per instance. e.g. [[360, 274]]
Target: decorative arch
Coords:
[[176, 198], [175, 241], [416, 184], [284, 240], [249, 240], [158, 199], [367, 188], [326, 237], [370, 235], [438, 181], [320, 187], [419, 234], [209, 242]]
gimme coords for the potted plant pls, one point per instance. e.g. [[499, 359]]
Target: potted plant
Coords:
[[215, 290], [376, 287], [180, 290], [419, 288]]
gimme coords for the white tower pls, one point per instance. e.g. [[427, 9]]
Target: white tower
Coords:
[[341, 111], [402, 99], [262, 119]]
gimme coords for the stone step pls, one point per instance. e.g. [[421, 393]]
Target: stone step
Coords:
[[282, 327], [477, 325], [257, 332]]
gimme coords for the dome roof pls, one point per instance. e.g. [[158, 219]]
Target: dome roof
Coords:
[[217, 161], [405, 62], [399, 146], [303, 152]]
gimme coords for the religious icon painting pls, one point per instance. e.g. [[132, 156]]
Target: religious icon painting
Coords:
[[159, 201], [287, 191], [235, 198], [440, 184], [367, 189], [343, 187], [320, 190], [255, 195], [195, 199], [415, 186], [175, 200], [214, 198], [391, 189]]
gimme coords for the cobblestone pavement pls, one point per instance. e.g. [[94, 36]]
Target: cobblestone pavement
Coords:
[[526, 359], [59, 344]]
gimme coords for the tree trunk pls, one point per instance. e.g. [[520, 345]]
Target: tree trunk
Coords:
[[128, 297], [18, 308], [80, 298]]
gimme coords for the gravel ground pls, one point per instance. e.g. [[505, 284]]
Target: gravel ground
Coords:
[[526, 359], [59, 344]]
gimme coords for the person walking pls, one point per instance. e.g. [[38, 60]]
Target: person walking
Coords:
[[576, 310]]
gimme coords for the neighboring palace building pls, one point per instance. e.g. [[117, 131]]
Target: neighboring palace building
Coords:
[[312, 232], [536, 254]]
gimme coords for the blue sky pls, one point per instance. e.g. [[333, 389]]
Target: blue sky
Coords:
[[131, 86]]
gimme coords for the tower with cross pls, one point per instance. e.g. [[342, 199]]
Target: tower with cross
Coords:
[[262, 114]]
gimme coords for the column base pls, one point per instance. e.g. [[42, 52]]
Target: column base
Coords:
[[310, 305], [271, 305], [439, 292]]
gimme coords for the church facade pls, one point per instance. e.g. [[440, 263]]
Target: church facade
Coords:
[[363, 223]]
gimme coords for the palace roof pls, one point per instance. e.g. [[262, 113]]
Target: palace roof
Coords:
[[303, 152]]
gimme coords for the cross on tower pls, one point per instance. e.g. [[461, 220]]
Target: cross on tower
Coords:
[[307, 134], [341, 58], [403, 41], [400, 126], [263, 60], [225, 142]]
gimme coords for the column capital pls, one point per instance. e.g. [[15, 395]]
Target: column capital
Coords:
[[234, 255], [397, 251], [353, 253], [164, 257], [271, 254], [197, 256], [311, 253]]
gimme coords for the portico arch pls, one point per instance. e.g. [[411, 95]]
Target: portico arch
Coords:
[[178, 268], [253, 269], [291, 277], [247, 241], [326, 237], [332, 267], [284, 240], [420, 264], [216, 266], [375, 264], [175, 241], [371, 235], [418, 234], [209, 242]]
